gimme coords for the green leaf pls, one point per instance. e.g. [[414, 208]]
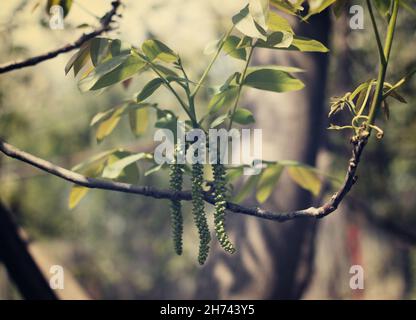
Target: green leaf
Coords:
[[307, 45], [118, 47], [243, 116], [155, 49], [395, 95], [276, 23], [306, 178], [219, 120], [247, 188], [78, 56], [275, 67], [106, 121], [83, 60], [245, 23], [149, 89], [267, 182], [165, 71], [100, 71], [290, 7], [105, 115], [230, 48], [259, 10], [99, 50], [234, 173], [245, 42], [362, 98], [76, 195], [179, 80], [93, 166], [83, 26], [115, 169], [138, 121], [106, 127], [277, 40], [317, 6], [103, 49], [128, 68], [231, 81], [362, 87], [272, 80], [223, 99], [130, 173]]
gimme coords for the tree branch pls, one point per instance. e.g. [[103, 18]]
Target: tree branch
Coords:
[[104, 27], [92, 183]]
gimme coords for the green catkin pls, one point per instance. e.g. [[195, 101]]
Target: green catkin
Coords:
[[199, 212], [220, 206], [176, 179]]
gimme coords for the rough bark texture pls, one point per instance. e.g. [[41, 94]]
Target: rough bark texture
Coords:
[[274, 261]]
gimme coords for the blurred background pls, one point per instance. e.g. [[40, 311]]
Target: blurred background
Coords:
[[118, 246]]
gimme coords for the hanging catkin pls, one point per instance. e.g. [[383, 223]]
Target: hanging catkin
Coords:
[[220, 206], [176, 179], [198, 210]]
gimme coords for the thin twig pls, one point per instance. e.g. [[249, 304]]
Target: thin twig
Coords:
[[104, 27], [78, 179]]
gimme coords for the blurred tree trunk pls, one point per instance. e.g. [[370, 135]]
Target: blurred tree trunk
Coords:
[[275, 261], [19, 263]]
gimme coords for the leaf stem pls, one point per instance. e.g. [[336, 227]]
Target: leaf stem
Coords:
[[188, 94], [367, 95], [166, 82], [378, 96], [399, 83], [240, 88], [214, 58], [377, 34]]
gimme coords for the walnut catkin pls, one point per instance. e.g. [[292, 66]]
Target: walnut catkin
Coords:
[[176, 179], [198, 211], [220, 206]]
